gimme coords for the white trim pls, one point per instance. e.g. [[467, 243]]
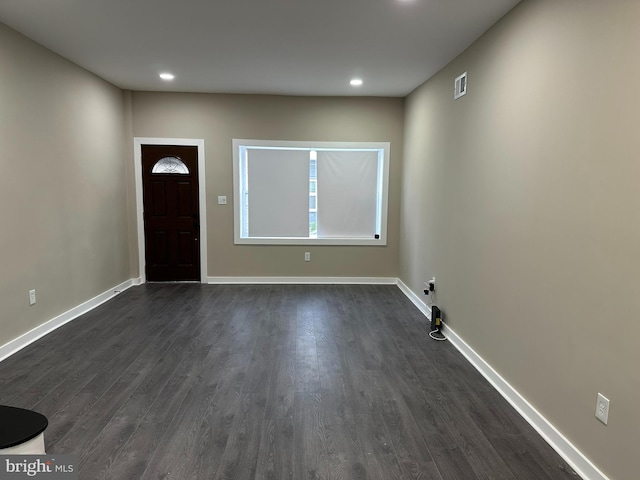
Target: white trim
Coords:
[[353, 242], [426, 311], [137, 156], [384, 164], [304, 280], [40, 331], [569, 452]]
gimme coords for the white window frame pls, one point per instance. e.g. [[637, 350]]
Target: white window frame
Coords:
[[382, 201]]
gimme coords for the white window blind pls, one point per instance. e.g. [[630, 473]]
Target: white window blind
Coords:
[[347, 193], [278, 193], [318, 193]]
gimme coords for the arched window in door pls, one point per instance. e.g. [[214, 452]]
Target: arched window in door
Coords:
[[170, 165]]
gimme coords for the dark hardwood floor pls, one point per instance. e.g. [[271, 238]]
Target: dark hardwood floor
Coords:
[[188, 381]]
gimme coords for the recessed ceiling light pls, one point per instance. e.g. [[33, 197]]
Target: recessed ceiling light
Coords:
[[167, 76], [356, 82]]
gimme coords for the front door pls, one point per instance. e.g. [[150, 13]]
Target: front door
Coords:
[[171, 213]]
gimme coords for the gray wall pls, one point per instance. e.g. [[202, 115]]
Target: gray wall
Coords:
[[220, 118], [523, 199], [62, 191]]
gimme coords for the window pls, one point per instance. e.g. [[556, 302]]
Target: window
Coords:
[[310, 192], [170, 165]]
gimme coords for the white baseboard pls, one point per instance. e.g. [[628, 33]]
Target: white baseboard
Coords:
[[40, 331], [304, 280], [417, 301], [578, 461], [574, 457]]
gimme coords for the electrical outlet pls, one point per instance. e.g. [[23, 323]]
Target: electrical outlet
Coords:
[[431, 284], [32, 297], [307, 256], [602, 408]]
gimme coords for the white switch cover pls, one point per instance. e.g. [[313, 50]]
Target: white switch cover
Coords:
[[222, 199], [32, 297], [602, 409], [307, 256]]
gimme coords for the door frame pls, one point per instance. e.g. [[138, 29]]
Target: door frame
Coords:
[[202, 200]]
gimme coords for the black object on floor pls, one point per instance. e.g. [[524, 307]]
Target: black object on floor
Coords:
[[18, 425]]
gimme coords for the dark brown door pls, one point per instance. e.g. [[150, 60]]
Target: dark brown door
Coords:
[[171, 213]]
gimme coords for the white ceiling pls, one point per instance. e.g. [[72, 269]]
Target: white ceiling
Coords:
[[292, 47]]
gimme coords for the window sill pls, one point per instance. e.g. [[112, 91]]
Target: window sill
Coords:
[[372, 242]]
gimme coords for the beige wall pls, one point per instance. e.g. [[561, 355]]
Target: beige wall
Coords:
[[220, 118], [62, 208], [523, 199]]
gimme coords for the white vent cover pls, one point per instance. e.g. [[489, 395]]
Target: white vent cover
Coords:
[[460, 86]]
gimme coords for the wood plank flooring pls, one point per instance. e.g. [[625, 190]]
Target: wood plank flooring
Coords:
[[283, 382]]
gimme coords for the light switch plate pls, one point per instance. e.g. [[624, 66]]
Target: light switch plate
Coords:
[[602, 408], [222, 199]]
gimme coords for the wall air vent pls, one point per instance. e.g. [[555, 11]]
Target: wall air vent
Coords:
[[460, 86]]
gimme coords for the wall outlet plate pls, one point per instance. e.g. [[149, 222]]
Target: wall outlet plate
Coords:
[[307, 256], [602, 408], [32, 297], [222, 199]]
